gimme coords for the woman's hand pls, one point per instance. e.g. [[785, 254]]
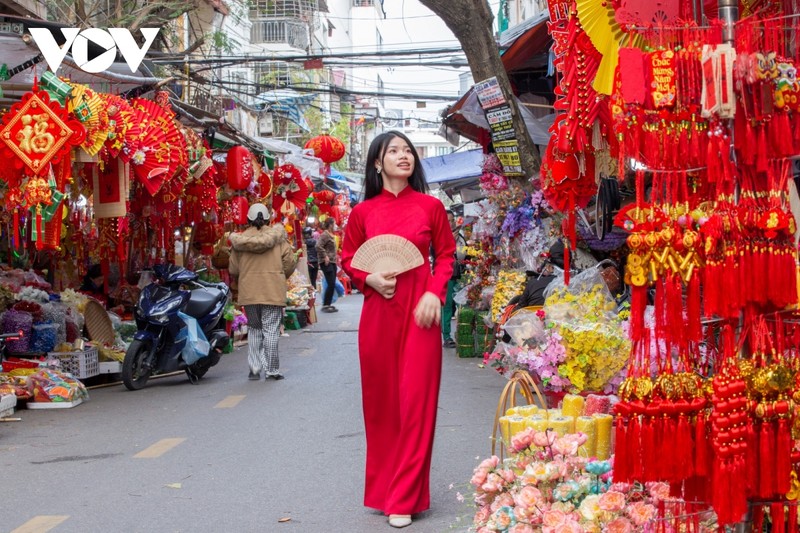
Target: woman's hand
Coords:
[[384, 283], [428, 311]]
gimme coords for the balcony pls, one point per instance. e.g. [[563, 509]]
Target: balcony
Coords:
[[291, 32]]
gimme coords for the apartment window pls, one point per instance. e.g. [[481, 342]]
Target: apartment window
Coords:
[[260, 9], [363, 3]]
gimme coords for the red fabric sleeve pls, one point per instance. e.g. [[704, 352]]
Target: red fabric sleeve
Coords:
[[444, 246], [354, 237]]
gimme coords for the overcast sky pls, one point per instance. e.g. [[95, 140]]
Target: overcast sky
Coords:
[[415, 26]]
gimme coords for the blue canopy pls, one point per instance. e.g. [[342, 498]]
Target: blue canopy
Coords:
[[453, 167], [339, 181]]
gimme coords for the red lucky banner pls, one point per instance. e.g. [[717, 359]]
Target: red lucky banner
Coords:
[[37, 131]]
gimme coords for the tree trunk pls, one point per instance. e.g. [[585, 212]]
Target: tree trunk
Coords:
[[471, 23]]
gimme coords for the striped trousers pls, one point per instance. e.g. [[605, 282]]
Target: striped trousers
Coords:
[[263, 331]]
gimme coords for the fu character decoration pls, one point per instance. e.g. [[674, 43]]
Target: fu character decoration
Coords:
[[35, 134]]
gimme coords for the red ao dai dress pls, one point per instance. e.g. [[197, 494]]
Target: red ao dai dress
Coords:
[[401, 363]]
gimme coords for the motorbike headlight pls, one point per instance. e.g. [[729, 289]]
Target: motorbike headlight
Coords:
[[160, 314]]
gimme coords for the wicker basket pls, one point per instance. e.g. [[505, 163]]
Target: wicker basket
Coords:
[[83, 364], [98, 323]]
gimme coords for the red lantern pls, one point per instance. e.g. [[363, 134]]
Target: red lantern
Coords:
[[329, 149], [239, 207], [240, 168]]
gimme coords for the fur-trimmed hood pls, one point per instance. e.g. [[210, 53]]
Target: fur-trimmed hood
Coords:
[[258, 241]]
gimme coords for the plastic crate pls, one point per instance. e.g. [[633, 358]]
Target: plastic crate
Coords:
[[82, 365]]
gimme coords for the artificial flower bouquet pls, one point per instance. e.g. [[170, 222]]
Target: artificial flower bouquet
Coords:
[[546, 486], [584, 316]]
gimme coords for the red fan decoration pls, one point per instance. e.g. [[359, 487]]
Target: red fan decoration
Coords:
[[162, 148], [289, 189], [124, 132]]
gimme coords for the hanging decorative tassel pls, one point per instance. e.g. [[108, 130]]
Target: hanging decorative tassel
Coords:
[[638, 305], [758, 518], [684, 464], [622, 456], [39, 228], [635, 447], [701, 458], [693, 310], [766, 465], [778, 517], [783, 462], [791, 522], [15, 235]]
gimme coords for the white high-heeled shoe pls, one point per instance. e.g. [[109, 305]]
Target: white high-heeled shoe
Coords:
[[399, 520]]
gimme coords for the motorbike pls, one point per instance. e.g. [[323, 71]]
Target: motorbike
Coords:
[[159, 341]]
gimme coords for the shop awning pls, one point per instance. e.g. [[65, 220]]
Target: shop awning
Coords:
[[441, 170]]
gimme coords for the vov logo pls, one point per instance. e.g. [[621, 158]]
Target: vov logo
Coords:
[[112, 40]]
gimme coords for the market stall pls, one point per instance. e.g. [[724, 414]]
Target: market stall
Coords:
[[672, 155]]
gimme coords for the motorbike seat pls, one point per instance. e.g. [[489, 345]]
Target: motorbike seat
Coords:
[[202, 301]]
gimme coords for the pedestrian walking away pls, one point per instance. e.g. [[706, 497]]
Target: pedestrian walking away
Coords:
[[313, 258], [261, 261], [399, 343], [326, 254]]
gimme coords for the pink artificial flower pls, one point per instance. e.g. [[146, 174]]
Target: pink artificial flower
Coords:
[[658, 490], [612, 501], [529, 496], [543, 439], [493, 483], [508, 475], [522, 528], [505, 500], [569, 526], [502, 519], [565, 446], [522, 440], [641, 513], [490, 462], [479, 477], [619, 525], [621, 487], [482, 516], [552, 518]]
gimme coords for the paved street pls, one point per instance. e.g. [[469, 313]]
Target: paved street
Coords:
[[232, 455]]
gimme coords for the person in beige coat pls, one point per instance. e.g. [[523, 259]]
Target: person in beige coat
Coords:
[[261, 261]]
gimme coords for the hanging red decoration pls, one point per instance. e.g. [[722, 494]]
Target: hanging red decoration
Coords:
[[239, 207], [38, 131], [289, 189], [240, 168], [328, 148], [161, 149]]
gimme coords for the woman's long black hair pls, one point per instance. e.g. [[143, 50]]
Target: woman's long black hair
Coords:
[[374, 181]]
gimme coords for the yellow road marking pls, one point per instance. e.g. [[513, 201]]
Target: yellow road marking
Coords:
[[230, 401], [41, 523], [158, 449]]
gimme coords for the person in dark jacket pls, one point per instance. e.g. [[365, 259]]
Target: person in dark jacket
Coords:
[[94, 283], [313, 258], [326, 254]]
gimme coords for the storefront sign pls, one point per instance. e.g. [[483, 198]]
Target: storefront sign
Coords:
[[501, 125], [508, 154]]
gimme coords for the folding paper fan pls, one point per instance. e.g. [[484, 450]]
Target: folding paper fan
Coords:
[[90, 109], [123, 132], [387, 253], [161, 147], [597, 20]]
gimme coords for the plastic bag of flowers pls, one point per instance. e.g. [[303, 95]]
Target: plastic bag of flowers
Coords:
[[526, 328], [592, 334]]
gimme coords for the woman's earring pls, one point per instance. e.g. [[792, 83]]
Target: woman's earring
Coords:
[[379, 170]]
